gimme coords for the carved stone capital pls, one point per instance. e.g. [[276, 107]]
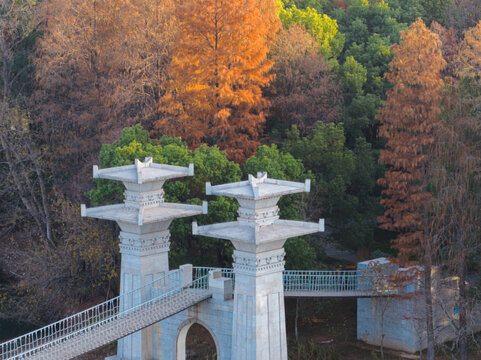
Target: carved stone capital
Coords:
[[135, 244], [272, 261], [146, 250], [264, 216], [145, 199]]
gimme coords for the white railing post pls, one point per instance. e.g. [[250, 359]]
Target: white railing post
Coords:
[[220, 287]]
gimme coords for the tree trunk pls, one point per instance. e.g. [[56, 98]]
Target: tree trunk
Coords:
[[429, 308], [382, 343], [463, 331], [428, 260], [297, 317], [383, 313]]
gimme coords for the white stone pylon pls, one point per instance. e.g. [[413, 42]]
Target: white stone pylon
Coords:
[[144, 220], [258, 235]]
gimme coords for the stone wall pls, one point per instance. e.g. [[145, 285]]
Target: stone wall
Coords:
[[401, 318]]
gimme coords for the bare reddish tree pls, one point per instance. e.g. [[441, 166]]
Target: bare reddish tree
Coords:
[[450, 49], [23, 179], [100, 66], [456, 186], [304, 90], [71, 68], [139, 58], [455, 178], [463, 14]]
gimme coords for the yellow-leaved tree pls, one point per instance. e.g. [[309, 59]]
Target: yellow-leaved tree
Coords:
[[218, 69]]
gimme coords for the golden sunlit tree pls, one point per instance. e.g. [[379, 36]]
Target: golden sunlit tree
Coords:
[[407, 123], [218, 69]]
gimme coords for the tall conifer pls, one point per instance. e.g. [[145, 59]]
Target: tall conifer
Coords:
[[219, 66], [408, 120]]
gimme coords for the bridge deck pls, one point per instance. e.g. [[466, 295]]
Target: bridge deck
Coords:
[[108, 321], [113, 329], [316, 284]]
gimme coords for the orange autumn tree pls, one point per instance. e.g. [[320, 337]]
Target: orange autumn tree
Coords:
[[408, 121], [218, 69]]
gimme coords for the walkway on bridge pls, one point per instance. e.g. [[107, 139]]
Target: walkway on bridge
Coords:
[[316, 284], [131, 312]]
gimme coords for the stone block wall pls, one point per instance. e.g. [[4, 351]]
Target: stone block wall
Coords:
[[214, 314], [403, 316]]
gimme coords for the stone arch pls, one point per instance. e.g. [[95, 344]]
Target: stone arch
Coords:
[[180, 343]]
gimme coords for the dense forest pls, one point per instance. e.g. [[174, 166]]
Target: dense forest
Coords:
[[377, 102]]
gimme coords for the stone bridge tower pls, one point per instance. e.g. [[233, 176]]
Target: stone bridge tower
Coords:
[[258, 235], [144, 220]]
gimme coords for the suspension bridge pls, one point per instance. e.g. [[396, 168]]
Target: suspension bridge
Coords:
[[251, 308], [167, 296]]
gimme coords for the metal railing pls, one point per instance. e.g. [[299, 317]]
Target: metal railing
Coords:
[[203, 272], [58, 331], [125, 322], [321, 281]]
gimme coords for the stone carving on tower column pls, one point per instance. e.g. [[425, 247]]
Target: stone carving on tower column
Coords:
[[144, 218], [258, 235]]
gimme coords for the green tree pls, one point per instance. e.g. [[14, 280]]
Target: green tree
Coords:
[[407, 11], [375, 16], [322, 6], [279, 165], [435, 10], [353, 76], [320, 26], [370, 27], [375, 56], [299, 254], [341, 192]]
